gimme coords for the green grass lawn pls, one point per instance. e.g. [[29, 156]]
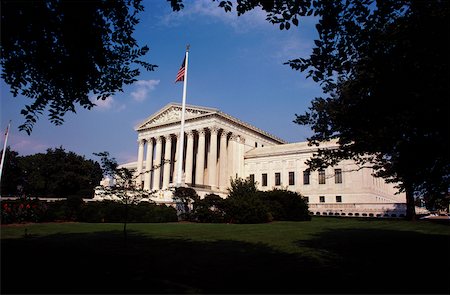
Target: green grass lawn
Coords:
[[326, 255]]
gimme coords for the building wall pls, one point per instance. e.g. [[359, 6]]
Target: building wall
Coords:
[[250, 151], [357, 186]]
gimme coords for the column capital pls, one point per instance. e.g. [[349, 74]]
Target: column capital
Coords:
[[141, 141], [168, 136], [190, 133], [158, 139], [201, 132], [233, 137], [213, 130], [224, 133]]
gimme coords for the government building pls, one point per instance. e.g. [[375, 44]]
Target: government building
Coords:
[[219, 147]]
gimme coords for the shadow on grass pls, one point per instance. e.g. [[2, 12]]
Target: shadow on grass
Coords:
[[354, 261], [98, 263], [385, 261]]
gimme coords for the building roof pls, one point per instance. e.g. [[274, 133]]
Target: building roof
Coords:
[[287, 149]]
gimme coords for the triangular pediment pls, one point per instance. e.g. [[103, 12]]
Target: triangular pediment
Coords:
[[171, 113]]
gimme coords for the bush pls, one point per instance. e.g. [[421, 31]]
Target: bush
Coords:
[[184, 197], [26, 210], [286, 205], [23, 210], [111, 211], [210, 209], [244, 205]]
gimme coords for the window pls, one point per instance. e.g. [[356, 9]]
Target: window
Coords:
[[252, 177], [291, 178], [256, 144], [264, 179], [306, 174], [277, 178], [321, 176], [322, 199], [338, 199], [306, 199], [337, 175]]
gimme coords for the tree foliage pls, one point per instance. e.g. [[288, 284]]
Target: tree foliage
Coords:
[[286, 205], [384, 70], [12, 173], [59, 52], [56, 173], [385, 75], [210, 209], [184, 197]]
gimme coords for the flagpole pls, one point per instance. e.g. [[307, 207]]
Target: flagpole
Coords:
[[183, 110], [4, 149]]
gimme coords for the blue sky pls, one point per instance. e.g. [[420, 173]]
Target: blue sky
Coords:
[[235, 65]]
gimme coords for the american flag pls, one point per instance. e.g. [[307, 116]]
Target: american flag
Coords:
[[181, 71]]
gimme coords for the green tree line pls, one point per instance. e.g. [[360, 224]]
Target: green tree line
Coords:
[[56, 173]]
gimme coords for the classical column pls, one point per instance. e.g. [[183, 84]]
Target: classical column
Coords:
[[212, 159], [140, 162], [189, 157], [148, 164], [200, 169], [232, 157], [167, 159], [157, 163], [175, 159], [223, 174], [240, 151]]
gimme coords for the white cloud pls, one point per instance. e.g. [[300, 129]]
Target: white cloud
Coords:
[[27, 145], [293, 47], [210, 10], [143, 88], [107, 104]]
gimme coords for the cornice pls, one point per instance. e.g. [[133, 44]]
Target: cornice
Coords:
[[211, 113]]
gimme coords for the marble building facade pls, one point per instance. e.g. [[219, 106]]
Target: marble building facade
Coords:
[[218, 147]]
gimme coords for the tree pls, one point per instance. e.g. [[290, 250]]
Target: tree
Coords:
[[244, 205], [124, 188], [286, 205], [184, 197], [387, 104], [56, 173], [12, 173], [384, 70], [209, 209], [58, 52]]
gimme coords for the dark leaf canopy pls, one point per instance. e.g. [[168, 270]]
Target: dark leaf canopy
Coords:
[[57, 53], [384, 70], [386, 74], [57, 173]]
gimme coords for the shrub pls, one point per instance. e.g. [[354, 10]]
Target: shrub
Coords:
[[244, 205], [23, 210], [184, 197], [74, 209], [286, 205], [209, 209], [111, 211]]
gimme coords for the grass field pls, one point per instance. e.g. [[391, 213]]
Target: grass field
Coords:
[[326, 255]]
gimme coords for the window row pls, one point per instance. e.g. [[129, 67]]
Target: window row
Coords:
[[338, 199], [306, 177]]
